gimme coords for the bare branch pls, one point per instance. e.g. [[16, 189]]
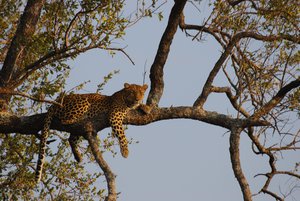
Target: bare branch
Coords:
[[236, 163], [208, 84], [289, 173], [234, 3], [156, 72], [139, 10], [91, 136], [273, 172], [276, 99], [270, 38], [121, 50], [272, 194], [232, 99], [244, 34], [235, 39], [289, 146], [202, 28]]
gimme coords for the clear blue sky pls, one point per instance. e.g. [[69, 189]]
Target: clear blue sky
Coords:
[[176, 159]]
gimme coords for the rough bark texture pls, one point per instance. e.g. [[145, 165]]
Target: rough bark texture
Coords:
[[91, 136], [208, 84], [33, 124], [157, 68], [236, 163], [276, 99], [15, 53], [23, 34]]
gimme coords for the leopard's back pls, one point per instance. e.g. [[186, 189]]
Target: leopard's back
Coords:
[[77, 107]]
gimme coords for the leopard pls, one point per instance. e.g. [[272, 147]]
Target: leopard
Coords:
[[75, 108]]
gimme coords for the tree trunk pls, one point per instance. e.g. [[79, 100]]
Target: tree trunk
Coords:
[[15, 53]]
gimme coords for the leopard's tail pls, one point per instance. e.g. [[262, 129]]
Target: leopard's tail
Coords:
[[43, 143], [123, 145]]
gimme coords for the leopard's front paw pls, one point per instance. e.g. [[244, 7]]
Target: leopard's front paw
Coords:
[[145, 108]]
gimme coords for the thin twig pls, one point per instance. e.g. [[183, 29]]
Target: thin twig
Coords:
[[121, 50], [73, 21]]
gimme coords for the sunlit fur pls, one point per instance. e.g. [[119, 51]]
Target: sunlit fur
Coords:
[[79, 107]]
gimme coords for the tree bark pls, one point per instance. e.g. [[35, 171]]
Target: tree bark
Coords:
[[91, 136], [276, 99], [236, 163], [157, 68], [25, 30], [33, 124], [15, 53]]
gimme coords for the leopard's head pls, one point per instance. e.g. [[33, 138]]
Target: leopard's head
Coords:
[[133, 94]]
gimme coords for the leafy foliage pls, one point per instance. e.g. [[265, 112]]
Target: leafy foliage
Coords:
[[65, 29], [106, 79], [65, 179], [260, 40]]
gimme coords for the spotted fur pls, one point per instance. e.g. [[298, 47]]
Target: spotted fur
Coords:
[[79, 107]]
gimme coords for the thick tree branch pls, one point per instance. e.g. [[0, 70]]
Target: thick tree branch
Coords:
[[234, 3], [156, 72], [276, 99], [236, 163], [228, 49], [91, 136], [23, 34], [208, 84], [194, 113], [33, 124], [30, 125], [207, 89]]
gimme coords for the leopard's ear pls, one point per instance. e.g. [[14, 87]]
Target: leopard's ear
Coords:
[[145, 86], [126, 85]]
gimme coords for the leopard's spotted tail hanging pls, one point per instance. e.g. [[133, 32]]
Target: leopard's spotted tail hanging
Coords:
[[43, 145]]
